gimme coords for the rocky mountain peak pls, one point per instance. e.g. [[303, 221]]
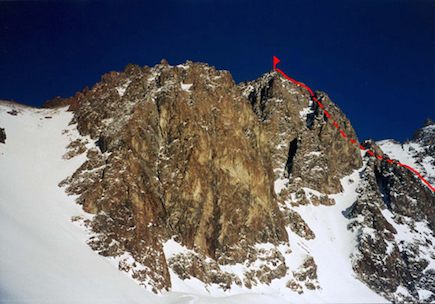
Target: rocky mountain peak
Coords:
[[183, 155], [425, 135], [428, 122]]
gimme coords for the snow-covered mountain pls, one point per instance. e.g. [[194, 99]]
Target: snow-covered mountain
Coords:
[[173, 185]]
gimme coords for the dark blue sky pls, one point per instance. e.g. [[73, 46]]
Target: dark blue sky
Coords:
[[375, 59]]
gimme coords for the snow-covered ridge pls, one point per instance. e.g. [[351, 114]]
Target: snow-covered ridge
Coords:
[[412, 154]]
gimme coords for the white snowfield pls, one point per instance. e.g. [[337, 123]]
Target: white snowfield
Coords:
[[44, 257]]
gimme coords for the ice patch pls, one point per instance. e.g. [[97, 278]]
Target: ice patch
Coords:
[[280, 184], [303, 114], [121, 89], [186, 87]]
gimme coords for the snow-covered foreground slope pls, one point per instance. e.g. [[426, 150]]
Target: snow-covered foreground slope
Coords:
[[44, 256]]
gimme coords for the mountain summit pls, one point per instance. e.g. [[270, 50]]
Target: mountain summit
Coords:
[[190, 180], [429, 122]]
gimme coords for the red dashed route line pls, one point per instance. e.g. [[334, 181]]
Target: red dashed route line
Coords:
[[276, 60]]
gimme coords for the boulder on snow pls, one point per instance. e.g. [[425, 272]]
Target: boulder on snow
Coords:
[[2, 136]]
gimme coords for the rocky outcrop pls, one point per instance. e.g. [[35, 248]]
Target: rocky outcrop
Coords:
[[58, 102], [424, 139], [419, 153], [426, 135], [307, 273], [2, 136], [428, 122], [191, 265], [180, 154], [263, 266], [298, 225]]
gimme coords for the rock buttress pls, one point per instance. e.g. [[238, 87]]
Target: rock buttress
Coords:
[[305, 145], [179, 154]]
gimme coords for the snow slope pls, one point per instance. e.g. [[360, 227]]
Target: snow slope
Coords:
[[43, 254], [332, 247], [44, 257]]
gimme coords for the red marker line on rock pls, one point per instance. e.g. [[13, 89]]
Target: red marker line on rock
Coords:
[[276, 60]]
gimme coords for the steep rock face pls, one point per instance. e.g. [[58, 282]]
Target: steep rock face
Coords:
[[277, 104], [393, 255], [301, 139], [180, 154]]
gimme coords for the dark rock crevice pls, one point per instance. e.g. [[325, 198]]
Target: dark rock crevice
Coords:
[[293, 147], [383, 188], [310, 120]]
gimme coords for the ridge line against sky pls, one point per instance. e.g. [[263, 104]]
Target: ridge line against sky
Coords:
[[375, 59]]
